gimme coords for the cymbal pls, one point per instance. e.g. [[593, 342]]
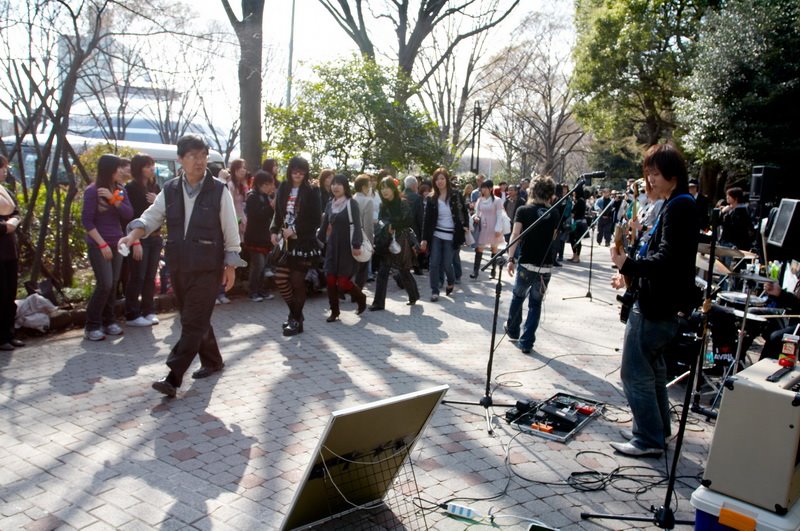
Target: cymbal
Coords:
[[752, 277], [750, 316], [705, 248], [701, 262]]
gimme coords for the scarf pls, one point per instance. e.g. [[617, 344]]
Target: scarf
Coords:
[[337, 205]]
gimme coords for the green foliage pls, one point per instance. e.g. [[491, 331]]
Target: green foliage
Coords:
[[90, 157], [745, 87], [348, 116], [620, 160], [630, 59], [76, 234]]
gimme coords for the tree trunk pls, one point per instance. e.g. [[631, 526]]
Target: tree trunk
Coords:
[[66, 273], [249, 32]]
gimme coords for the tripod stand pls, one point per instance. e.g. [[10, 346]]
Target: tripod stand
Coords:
[[500, 260], [591, 257]]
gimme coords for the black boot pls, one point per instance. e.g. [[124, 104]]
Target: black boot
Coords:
[[359, 298], [295, 324], [411, 287], [379, 300], [494, 270], [333, 300], [477, 265]]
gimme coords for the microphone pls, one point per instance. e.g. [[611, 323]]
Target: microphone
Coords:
[[587, 177]]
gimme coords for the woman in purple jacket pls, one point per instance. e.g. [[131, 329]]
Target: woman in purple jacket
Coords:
[[106, 209]]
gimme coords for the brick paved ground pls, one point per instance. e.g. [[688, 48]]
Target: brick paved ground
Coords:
[[88, 445]]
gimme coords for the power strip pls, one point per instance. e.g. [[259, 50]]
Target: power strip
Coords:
[[462, 511]]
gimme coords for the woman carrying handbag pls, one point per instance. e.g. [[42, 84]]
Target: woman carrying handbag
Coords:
[[489, 220], [296, 222], [343, 242], [396, 219]]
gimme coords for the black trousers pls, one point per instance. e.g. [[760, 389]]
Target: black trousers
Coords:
[[8, 292], [195, 293]]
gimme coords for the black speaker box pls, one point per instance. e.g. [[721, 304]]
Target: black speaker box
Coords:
[[765, 184]]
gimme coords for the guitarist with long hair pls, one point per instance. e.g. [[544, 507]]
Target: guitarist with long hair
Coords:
[[663, 271]]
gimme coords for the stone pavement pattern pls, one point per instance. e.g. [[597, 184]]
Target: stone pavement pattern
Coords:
[[88, 445]]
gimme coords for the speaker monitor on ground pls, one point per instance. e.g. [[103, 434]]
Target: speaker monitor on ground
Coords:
[[756, 445]]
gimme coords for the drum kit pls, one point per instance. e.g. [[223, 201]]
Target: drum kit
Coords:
[[735, 318]]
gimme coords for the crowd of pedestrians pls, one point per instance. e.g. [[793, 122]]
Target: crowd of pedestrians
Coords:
[[300, 234]]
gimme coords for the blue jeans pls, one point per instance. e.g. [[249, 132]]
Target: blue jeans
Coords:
[[441, 262], [100, 309], [457, 264], [531, 286], [644, 377], [142, 280], [258, 261]]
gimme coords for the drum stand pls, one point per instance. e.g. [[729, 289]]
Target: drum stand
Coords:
[[730, 371]]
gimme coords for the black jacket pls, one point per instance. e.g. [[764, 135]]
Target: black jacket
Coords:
[[259, 216], [307, 219], [458, 209], [665, 275], [417, 210]]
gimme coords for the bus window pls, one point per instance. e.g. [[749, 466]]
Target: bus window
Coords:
[[165, 170]]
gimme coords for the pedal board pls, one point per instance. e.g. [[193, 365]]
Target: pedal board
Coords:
[[558, 418]]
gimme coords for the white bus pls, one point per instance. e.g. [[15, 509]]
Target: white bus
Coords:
[[165, 155]]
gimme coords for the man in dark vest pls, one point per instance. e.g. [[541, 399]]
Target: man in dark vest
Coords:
[[202, 247]]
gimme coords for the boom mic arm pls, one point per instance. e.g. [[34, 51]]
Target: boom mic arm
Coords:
[[587, 177]]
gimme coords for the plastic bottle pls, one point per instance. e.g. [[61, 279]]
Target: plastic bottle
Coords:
[[123, 249]]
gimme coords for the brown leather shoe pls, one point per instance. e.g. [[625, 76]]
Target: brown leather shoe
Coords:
[[165, 388], [17, 343], [205, 372]]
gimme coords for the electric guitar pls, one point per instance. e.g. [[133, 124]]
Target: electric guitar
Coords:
[[624, 242]]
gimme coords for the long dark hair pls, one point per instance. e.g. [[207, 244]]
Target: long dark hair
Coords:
[[285, 188], [298, 163], [342, 179], [240, 185], [139, 162], [441, 171], [107, 165], [270, 166], [389, 182]]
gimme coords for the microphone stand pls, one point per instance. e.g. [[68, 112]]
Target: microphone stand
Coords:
[[591, 256], [500, 260]]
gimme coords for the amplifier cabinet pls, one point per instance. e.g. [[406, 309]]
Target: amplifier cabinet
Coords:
[[754, 452]]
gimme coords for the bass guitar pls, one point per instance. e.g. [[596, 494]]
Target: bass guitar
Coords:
[[626, 245]]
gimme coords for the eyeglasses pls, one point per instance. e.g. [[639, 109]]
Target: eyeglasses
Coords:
[[195, 155]]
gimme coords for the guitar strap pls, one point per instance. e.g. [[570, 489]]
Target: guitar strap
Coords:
[[646, 244]]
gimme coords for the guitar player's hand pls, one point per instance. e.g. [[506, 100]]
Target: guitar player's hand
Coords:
[[618, 257], [617, 281]]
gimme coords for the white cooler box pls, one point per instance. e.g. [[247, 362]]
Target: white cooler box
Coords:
[[717, 512]]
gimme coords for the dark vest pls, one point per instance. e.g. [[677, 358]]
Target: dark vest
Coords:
[[202, 248]]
